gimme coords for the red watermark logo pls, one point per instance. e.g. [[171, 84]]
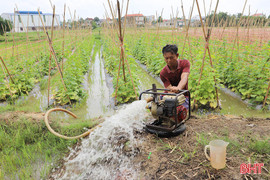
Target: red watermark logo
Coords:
[[247, 168]]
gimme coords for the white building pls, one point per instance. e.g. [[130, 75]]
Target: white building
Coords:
[[23, 20]]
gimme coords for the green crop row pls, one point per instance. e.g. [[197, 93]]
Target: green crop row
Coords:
[[30, 68], [75, 67], [111, 55], [247, 74], [25, 74]]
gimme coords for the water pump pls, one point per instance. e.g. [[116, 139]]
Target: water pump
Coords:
[[168, 111]]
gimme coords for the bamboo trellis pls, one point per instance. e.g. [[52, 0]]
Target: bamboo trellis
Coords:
[[123, 60]]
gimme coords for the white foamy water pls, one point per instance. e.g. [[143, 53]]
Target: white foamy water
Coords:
[[109, 150]]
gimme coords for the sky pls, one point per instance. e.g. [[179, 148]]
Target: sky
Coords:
[[95, 8]]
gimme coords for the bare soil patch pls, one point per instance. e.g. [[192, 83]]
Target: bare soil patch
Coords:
[[182, 157], [18, 115]]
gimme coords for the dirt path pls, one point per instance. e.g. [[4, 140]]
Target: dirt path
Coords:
[[18, 115]]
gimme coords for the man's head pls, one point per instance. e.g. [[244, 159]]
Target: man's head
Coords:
[[170, 48], [170, 53]]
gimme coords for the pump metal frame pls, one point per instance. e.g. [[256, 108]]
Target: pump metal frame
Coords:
[[155, 93]]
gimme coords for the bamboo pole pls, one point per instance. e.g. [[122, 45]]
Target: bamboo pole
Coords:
[[54, 55], [50, 59], [113, 17], [111, 26], [224, 26], [75, 28], [27, 37], [72, 21], [159, 25], [4, 30], [17, 38], [63, 43], [122, 55], [6, 79], [6, 69], [261, 34], [266, 95], [125, 21], [121, 8], [204, 11], [14, 24], [207, 38], [184, 15], [12, 37], [172, 22], [207, 19], [121, 41], [218, 27], [187, 28], [56, 20], [248, 24], [237, 29], [20, 17], [37, 35]]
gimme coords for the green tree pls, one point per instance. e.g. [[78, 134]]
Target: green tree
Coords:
[[4, 26], [81, 20], [94, 24], [96, 19], [160, 19]]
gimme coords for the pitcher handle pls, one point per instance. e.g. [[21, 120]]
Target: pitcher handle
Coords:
[[205, 151]]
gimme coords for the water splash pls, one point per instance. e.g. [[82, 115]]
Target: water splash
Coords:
[[109, 150]]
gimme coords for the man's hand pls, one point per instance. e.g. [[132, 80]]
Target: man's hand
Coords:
[[174, 89]]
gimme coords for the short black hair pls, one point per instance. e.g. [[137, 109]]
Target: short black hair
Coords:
[[170, 48]]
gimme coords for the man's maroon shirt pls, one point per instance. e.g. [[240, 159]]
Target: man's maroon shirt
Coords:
[[168, 77]]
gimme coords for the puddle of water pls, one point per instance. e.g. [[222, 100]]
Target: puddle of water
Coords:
[[36, 100], [108, 152], [235, 106], [98, 102], [146, 80]]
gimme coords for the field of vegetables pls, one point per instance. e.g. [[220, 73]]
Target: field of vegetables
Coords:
[[26, 63], [245, 69]]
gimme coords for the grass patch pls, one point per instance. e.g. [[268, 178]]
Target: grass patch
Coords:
[[243, 146], [28, 149], [260, 147]]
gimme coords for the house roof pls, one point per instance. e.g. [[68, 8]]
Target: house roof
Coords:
[[28, 12], [258, 14], [133, 15]]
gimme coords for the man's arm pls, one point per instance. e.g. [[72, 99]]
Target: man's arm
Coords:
[[181, 85], [184, 80]]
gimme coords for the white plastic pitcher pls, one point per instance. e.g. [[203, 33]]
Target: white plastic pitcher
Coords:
[[217, 153]]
